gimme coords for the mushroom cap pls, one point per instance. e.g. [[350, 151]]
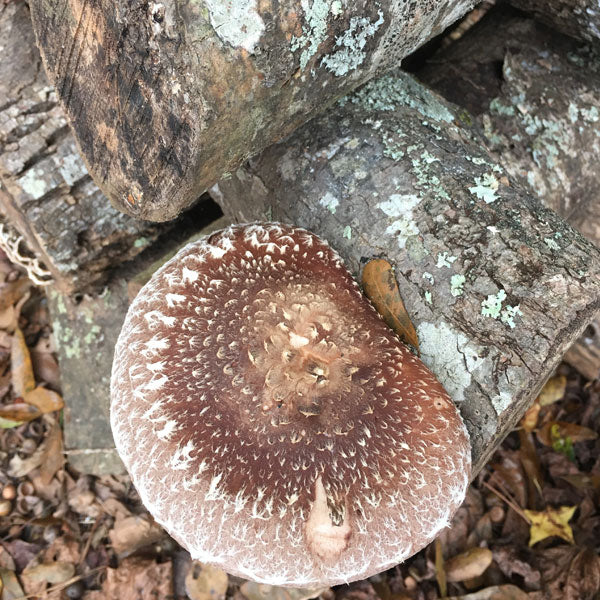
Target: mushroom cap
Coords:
[[272, 422]]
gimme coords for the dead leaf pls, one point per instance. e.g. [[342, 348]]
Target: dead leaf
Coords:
[[379, 284], [8, 318], [22, 371], [54, 572], [262, 591], [52, 454], [11, 588], [12, 291], [19, 411], [205, 582], [469, 564], [570, 572], [530, 419], [45, 367], [45, 400], [496, 592], [137, 579], [19, 467], [131, 533], [552, 430], [582, 481], [9, 424], [551, 522], [531, 466], [510, 562], [440, 571], [553, 390]]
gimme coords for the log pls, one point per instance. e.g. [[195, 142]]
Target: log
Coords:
[[45, 190], [497, 285], [536, 94], [579, 18], [164, 98]]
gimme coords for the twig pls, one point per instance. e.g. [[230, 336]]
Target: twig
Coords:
[[510, 503]]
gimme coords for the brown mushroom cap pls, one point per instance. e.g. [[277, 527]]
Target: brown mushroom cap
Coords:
[[272, 422]]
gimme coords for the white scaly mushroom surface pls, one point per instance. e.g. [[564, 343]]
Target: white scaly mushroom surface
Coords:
[[270, 420]]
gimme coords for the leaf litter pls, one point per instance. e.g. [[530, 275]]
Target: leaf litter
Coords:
[[529, 528]]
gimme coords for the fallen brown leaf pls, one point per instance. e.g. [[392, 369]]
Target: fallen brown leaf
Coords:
[[583, 482], [564, 430], [12, 291], [131, 533], [45, 400], [440, 571], [530, 418], [551, 522], [261, 591], [11, 588], [137, 579], [19, 411], [496, 592], [52, 454], [45, 365], [571, 573], [379, 284], [511, 563], [469, 564], [19, 467], [204, 582], [53, 572], [8, 318], [553, 390], [531, 466], [22, 371]]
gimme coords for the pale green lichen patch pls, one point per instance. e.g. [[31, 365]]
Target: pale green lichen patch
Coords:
[[236, 22], [573, 112], [391, 92], [34, 184], [499, 108], [426, 177], [315, 30], [347, 232], [336, 8], [457, 282], [551, 244], [400, 208], [450, 356], [428, 297], [330, 202], [445, 260], [428, 277], [485, 188], [501, 402], [492, 307], [350, 52], [508, 314], [141, 242], [93, 334], [590, 114]]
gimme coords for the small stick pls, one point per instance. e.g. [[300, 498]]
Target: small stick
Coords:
[[510, 503]]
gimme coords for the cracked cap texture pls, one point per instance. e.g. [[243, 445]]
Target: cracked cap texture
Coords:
[[272, 422]]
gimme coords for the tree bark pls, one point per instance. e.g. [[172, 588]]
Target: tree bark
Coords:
[[497, 285], [537, 97], [45, 190], [164, 98], [579, 18]]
